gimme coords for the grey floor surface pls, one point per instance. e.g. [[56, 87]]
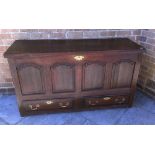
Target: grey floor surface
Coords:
[[142, 113]]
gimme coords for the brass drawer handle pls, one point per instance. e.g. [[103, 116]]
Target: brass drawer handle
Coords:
[[91, 103], [79, 58], [34, 107], [49, 102], [107, 98], [120, 100], [64, 105]]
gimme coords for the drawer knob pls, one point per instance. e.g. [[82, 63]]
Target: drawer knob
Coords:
[[49, 102], [32, 107], [64, 105], [106, 98], [79, 57]]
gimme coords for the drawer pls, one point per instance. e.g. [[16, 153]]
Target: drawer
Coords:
[[106, 100], [39, 105]]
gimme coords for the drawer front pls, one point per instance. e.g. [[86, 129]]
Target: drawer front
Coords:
[[40, 105], [106, 100]]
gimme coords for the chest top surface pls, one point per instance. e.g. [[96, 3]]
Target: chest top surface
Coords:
[[74, 45]]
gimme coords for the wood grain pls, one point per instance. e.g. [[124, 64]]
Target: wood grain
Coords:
[[46, 70]]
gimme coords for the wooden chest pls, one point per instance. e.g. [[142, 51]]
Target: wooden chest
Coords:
[[73, 75]]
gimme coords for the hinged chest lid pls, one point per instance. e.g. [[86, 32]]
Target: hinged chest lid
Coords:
[[20, 47]]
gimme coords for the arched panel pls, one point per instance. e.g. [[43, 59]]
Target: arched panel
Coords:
[[93, 75], [30, 79], [63, 77], [122, 73]]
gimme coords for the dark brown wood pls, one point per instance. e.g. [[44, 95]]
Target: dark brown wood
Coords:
[[93, 75], [31, 79], [81, 45], [73, 75], [40, 105], [108, 100], [63, 77], [122, 73]]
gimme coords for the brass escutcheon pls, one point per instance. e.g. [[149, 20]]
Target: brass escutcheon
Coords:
[[49, 102], [79, 57], [107, 98]]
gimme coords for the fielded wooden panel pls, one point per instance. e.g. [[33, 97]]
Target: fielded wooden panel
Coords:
[[63, 77], [93, 75], [122, 73], [31, 79]]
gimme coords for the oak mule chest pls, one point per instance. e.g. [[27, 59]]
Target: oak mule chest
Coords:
[[73, 75]]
